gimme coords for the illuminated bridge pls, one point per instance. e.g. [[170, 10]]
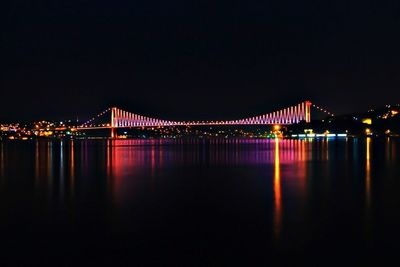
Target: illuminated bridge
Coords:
[[118, 118]]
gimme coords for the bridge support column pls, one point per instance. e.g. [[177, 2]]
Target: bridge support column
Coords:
[[308, 111], [113, 132]]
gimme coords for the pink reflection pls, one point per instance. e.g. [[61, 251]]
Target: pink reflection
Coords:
[[301, 169], [129, 159], [126, 159], [62, 170]]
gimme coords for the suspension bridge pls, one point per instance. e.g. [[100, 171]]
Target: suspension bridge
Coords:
[[118, 118]]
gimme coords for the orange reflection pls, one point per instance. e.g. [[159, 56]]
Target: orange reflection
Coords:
[[326, 148], [72, 167], [277, 192], [37, 164], [49, 163], [2, 161], [368, 188], [393, 148], [44, 167], [387, 149], [368, 172]]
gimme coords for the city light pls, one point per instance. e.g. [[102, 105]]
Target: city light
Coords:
[[279, 123], [367, 121]]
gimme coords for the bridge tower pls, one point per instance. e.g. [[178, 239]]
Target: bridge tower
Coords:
[[113, 124], [308, 111]]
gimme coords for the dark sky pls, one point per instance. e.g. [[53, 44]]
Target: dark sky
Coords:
[[196, 59]]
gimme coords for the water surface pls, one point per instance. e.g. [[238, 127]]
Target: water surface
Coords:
[[221, 202]]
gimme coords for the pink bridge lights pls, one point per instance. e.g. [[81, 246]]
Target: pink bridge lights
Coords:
[[121, 118], [290, 115]]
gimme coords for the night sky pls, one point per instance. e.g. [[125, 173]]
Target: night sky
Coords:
[[196, 59]]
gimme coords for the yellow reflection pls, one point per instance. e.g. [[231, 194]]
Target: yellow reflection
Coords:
[[277, 192], [368, 173], [368, 188], [326, 149]]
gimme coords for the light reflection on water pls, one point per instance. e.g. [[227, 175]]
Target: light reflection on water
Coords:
[[2, 161], [277, 191], [368, 172], [284, 194], [125, 159]]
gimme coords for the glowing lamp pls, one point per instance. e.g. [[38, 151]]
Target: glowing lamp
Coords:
[[367, 121], [277, 127]]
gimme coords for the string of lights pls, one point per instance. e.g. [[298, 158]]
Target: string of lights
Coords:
[[323, 110], [95, 117]]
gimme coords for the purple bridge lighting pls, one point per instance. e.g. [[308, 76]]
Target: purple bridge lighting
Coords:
[[123, 119]]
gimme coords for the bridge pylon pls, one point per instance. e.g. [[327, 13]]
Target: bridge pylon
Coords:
[[308, 111], [113, 132]]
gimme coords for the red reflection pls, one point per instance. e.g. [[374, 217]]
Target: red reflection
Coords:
[[123, 159], [109, 158], [116, 167]]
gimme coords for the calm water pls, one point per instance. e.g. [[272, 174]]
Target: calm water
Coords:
[[199, 203]]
